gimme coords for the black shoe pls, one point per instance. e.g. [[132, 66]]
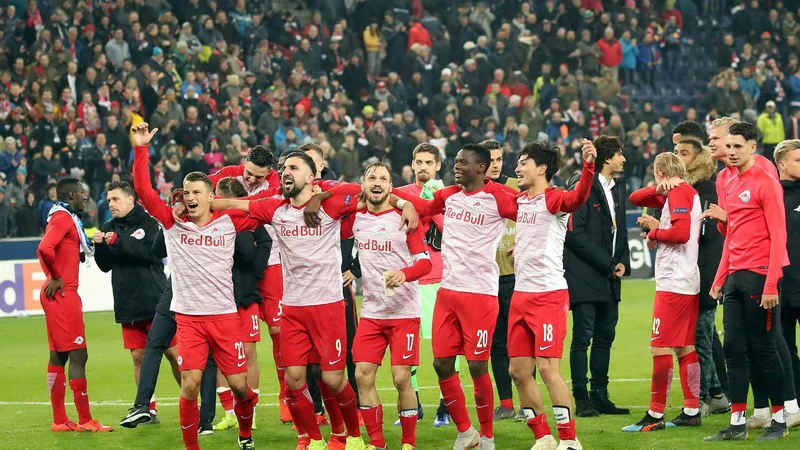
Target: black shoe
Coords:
[[246, 444], [583, 406], [732, 433], [774, 432], [603, 405], [205, 429], [137, 415], [685, 420]]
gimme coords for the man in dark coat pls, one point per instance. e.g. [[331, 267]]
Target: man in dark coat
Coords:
[[124, 247], [596, 257]]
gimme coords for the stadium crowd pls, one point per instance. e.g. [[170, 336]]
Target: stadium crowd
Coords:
[[369, 80]]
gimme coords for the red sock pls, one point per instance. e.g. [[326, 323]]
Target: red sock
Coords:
[[408, 423], [153, 405], [539, 426], [507, 403], [332, 405], [484, 402], [777, 408], [302, 409], [57, 384], [348, 408], [453, 395], [225, 398], [689, 366], [81, 399], [189, 417], [661, 381], [244, 413], [564, 423], [373, 422]]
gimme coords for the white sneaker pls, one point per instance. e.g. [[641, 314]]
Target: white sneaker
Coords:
[[570, 445], [792, 419], [467, 439], [486, 443], [754, 423], [546, 443]]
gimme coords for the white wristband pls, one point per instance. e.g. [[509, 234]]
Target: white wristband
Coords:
[[401, 203]]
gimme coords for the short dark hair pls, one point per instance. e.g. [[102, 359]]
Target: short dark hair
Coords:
[[311, 147], [261, 156], [482, 154], [744, 129], [428, 148], [296, 153], [690, 129], [123, 186], [542, 153], [491, 144], [198, 176], [607, 147], [66, 186], [232, 186], [696, 146], [376, 165]]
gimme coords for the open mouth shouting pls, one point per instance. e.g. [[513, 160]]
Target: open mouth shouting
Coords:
[[288, 182], [192, 206]]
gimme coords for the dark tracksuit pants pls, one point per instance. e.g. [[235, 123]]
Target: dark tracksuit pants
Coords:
[[790, 316], [750, 338], [499, 340], [161, 333], [759, 383], [595, 324]]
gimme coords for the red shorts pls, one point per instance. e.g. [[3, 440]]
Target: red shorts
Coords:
[[537, 324], [463, 324], [134, 336], [251, 325], [64, 318], [271, 289], [674, 319], [221, 334], [400, 335], [311, 334]]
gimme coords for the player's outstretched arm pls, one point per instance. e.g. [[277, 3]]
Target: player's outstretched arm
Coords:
[[647, 197], [141, 176], [221, 204]]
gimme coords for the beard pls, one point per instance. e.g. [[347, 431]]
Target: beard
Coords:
[[293, 192], [423, 176], [378, 201]]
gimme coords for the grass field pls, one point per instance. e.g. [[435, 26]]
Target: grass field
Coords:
[[25, 412]]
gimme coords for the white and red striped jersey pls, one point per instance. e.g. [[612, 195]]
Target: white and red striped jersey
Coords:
[[383, 246], [678, 237], [474, 223], [311, 257], [542, 223]]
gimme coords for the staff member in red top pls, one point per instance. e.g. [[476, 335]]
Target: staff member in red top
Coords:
[[752, 262], [64, 246]]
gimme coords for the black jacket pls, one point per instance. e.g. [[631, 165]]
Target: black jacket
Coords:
[[249, 261], [159, 249], [588, 263], [790, 291], [137, 276]]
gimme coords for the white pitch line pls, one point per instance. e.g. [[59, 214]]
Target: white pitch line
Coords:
[[119, 403]]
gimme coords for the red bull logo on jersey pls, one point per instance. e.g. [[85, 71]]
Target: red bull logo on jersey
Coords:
[[465, 216], [375, 246], [300, 231], [382, 230], [526, 218], [477, 205], [203, 240]]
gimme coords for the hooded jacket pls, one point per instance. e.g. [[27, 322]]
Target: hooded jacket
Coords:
[[702, 175]]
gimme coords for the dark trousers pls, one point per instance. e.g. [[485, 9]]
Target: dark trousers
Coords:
[[790, 316], [759, 383], [595, 324], [749, 329], [208, 391], [162, 331], [722, 369], [499, 348]]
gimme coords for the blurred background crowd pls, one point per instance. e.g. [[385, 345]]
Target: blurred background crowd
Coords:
[[369, 80]]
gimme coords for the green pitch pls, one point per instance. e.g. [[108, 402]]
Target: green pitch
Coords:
[[26, 415]]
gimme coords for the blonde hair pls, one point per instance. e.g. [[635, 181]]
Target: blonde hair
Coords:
[[722, 122], [785, 147], [670, 165]]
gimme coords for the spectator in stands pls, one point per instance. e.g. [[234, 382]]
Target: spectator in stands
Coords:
[[770, 124], [17, 187], [649, 59], [6, 216], [26, 218], [611, 52]]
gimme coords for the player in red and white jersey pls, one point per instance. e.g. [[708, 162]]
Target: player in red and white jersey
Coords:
[[200, 251], [312, 266], [677, 302], [466, 306], [540, 305], [391, 263]]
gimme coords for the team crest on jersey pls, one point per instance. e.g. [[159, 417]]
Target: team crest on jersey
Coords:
[[477, 205], [216, 231], [382, 230], [347, 199], [745, 196], [138, 234]]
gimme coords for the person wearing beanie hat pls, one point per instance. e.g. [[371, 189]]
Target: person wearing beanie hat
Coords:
[[16, 188]]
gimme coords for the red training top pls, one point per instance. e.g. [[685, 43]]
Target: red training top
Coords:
[[60, 250]]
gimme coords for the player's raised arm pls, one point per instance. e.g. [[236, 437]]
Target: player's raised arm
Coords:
[[141, 136]]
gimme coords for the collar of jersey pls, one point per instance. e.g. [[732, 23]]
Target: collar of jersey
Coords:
[[483, 189]]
